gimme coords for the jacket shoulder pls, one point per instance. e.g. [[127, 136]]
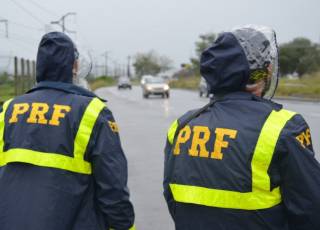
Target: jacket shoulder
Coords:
[[297, 129]]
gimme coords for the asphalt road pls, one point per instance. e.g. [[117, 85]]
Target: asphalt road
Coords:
[[143, 125]]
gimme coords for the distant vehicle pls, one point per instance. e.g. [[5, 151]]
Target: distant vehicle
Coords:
[[124, 83], [203, 88], [155, 86], [144, 78]]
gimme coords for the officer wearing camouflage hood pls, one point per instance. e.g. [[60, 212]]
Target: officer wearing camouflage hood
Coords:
[[242, 162]]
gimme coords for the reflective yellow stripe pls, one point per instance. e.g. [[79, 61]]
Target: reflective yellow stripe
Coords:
[[261, 197], [2, 123], [265, 148], [52, 160], [132, 228], [172, 131], [224, 198], [55, 160], [86, 126]]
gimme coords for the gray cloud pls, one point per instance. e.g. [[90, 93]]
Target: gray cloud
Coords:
[[168, 26]]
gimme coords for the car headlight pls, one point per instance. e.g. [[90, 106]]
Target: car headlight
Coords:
[[149, 88], [166, 87]]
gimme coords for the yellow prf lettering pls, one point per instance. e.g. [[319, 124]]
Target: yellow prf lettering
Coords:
[[18, 109], [200, 142], [307, 136], [37, 113], [113, 126], [300, 138], [304, 138], [183, 136], [220, 143], [59, 112]]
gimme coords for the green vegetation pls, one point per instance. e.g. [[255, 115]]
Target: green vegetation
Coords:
[[6, 91], [299, 56], [151, 63], [186, 83], [307, 86], [204, 42], [135, 81], [6, 88], [102, 81]]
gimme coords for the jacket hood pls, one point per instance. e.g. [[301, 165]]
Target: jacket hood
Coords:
[[65, 87], [224, 65], [55, 58]]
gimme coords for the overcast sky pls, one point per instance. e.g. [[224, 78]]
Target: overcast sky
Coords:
[[168, 26]]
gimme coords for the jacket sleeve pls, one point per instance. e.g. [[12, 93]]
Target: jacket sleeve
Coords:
[[168, 168], [110, 174], [300, 176]]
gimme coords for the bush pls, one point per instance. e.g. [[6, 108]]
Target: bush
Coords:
[[103, 81], [186, 83], [6, 90], [307, 86]]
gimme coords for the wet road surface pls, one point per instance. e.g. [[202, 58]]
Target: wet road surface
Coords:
[[143, 125]]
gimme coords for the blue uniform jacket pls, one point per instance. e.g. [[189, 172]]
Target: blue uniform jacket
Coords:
[[37, 198], [293, 166]]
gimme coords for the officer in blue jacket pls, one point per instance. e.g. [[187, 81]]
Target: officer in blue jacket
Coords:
[[61, 162], [242, 162]]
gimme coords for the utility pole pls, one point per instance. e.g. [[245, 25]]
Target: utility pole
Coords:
[[115, 68], [5, 21], [128, 67], [105, 55], [61, 22]]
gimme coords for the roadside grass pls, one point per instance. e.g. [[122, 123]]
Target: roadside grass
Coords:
[[186, 83], [102, 81], [135, 81], [6, 91], [306, 87]]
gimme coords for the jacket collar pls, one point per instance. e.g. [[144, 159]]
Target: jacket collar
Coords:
[[234, 96], [240, 95], [65, 87]]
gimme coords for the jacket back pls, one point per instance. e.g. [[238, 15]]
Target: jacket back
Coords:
[[39, 197], [34, 197], [191, 164]]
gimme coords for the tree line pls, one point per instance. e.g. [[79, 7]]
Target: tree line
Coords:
[[298, 57]]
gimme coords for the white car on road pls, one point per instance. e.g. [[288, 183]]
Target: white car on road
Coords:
[[155, 86]]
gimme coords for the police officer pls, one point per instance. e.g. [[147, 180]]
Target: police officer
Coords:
[[61, 162], [242, 162]]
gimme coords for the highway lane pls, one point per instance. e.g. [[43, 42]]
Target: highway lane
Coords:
[[143, 125]]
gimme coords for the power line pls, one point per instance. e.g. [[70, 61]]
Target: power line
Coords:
[[43, 8], [25, 40], [25, 26], [7, 22], [28, 39], [20, 43], [28, 12]]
